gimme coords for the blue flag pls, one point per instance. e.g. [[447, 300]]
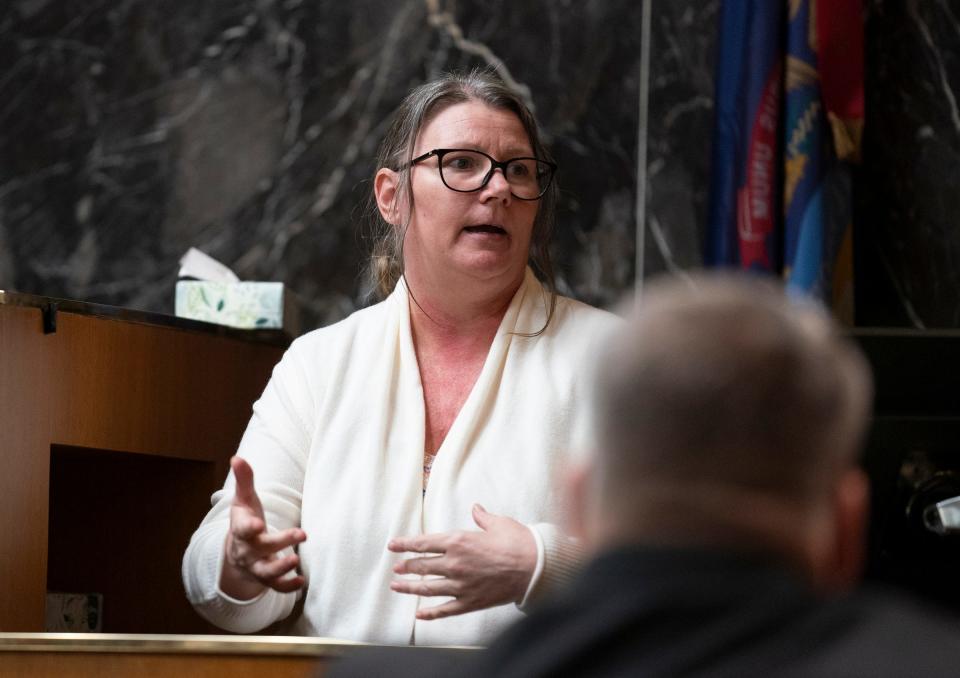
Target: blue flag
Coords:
[[745, 174], [780, 196]]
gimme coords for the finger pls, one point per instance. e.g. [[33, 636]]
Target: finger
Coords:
[[449, 609], [424, 543], [481, 517], [240, 553], [271, 542], [427, 587], [486, 520], [268, 569], [245, 525], [244, 494], [286, 585], [264, 545], [436, 565]]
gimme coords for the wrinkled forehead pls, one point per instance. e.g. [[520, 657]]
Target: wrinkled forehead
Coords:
[[474, 124]]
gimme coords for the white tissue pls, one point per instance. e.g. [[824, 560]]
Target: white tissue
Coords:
[[196, 264]]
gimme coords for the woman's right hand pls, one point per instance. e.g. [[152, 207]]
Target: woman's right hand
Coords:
[[251, 562]]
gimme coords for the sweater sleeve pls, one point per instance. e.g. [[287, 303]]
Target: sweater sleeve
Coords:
[[275, 444], [559, 558]]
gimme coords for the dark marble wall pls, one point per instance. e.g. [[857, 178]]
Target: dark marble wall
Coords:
[[907, 237], [680, 122], [131, 130], [908, 233]]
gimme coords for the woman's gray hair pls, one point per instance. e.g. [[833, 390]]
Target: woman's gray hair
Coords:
[[396, 151]]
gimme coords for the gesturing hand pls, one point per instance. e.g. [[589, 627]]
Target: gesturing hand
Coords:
[[250, 560], [479, 569]]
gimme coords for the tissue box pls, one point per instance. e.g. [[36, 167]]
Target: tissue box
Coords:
[[246, 305]]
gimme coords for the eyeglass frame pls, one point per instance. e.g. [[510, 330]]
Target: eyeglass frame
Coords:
[[494, 165]]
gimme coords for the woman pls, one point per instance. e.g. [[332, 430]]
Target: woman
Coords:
[[396, 430]]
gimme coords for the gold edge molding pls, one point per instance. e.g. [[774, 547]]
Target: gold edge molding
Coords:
[[173, 644]]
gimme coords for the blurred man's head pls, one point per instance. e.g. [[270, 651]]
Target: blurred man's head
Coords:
[[730, 416]]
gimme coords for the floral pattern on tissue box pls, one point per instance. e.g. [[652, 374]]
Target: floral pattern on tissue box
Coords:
[[247, 305]]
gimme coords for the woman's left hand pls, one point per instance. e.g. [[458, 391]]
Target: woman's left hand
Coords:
[[479, 569]]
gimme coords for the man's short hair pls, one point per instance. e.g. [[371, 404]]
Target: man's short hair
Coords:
[[721, 378]]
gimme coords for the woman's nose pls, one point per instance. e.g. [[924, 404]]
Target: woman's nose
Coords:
[[498, 186]]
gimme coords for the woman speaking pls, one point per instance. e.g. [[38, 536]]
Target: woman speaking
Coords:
[[397, 473]]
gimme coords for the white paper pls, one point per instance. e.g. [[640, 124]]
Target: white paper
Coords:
[[196, 264]]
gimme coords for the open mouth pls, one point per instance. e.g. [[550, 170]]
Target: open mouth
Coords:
[[486, 228]]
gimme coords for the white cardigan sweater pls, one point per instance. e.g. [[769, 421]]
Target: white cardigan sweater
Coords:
[[336, 445]]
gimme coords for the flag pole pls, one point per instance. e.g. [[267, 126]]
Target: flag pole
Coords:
[[641, 205]]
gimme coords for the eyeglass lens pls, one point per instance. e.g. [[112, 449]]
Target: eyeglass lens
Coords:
[[467, 170]]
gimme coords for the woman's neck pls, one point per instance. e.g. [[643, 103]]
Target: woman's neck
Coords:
[[456, 316], [437, 327], [451, 314]]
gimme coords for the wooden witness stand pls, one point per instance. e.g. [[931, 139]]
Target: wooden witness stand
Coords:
[[51, 655], [45, 655], [115, 428]]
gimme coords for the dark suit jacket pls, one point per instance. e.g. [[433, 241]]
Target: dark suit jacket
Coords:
[[670, 612]]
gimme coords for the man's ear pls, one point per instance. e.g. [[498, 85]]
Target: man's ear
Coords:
[[576, 488], [386, 188], [851, 505]]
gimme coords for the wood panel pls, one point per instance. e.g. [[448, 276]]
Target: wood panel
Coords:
[[152, 656], [109, 385], [26, 384], [95, 665]]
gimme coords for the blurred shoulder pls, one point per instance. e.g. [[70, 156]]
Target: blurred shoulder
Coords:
[[880, 632], [582, 312], [397, 662], [576, 321]]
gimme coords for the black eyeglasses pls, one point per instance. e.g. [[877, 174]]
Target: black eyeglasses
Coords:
[[465, 170]]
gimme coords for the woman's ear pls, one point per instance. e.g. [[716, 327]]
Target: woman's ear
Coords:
[[386, 187]]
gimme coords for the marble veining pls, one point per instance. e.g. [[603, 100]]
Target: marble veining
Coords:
[[683, 46], [132, 130], [908, 267]]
